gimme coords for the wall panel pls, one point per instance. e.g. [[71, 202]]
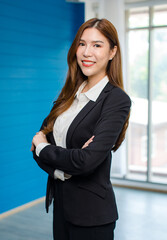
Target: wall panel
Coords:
[[34, 40]]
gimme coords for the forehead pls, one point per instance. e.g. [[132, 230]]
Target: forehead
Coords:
[[93, 34]]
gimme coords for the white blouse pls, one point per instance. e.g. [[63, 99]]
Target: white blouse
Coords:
[[64, 120]]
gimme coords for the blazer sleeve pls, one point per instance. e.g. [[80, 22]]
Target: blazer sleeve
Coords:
[[44, 166], [115, 110]]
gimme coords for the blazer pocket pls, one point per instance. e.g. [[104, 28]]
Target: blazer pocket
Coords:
[[94, 188]]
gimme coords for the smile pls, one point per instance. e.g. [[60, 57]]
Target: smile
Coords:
[[87, 63]]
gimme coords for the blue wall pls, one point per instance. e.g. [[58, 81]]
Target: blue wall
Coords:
[[35, 36]]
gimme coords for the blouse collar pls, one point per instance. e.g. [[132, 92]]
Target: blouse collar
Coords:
[[94, 92]]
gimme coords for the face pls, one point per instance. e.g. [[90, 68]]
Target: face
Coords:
[[93, 53]]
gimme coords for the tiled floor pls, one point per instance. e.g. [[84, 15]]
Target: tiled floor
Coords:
[[142, 216], [30, 224]]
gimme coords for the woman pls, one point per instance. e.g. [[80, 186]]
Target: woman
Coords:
[[88, 121]]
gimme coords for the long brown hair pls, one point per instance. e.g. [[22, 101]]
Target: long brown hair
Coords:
[[75, 77]]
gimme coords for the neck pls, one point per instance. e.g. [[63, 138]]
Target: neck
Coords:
[[93, 81]]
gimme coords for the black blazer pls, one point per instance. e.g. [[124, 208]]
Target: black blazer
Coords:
[[88, 195]]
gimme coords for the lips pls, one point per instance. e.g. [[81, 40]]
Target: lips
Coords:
[[87, 63]]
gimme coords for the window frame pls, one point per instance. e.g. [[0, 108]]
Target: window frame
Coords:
[[150, 29]]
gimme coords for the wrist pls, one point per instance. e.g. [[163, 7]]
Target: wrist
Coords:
[[40, 146]]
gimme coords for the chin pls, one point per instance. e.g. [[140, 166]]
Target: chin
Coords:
[[88, 73]]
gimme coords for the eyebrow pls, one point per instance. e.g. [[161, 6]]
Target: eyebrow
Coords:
[[97, 41]]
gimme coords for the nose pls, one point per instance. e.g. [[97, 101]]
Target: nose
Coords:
[[87, 52]]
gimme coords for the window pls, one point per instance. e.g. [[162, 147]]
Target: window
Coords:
[[165, 135], [147, 82], [144, 148]]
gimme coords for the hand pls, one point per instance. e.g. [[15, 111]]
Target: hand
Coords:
[[89, 141], [40, 137]]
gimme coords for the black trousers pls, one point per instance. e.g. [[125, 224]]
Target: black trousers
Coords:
[[64, 230]]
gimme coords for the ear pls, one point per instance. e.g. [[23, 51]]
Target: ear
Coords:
[[113, 52]]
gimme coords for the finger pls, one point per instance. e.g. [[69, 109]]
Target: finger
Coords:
[[32, 148], [90, 140], [38, 133], [42, 134], [87, 142], [85, 145]]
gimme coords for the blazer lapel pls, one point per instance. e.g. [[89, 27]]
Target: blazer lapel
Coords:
[[85, 110]]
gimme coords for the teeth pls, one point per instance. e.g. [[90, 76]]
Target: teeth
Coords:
[[87, 62]]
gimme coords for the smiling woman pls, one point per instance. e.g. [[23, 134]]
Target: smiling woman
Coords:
[[93, 55], [88, 121]]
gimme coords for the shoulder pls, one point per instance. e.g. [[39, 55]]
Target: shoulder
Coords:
[[118, 96]]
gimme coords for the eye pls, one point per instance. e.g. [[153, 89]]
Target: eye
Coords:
[[97, 45], [81, 44]]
